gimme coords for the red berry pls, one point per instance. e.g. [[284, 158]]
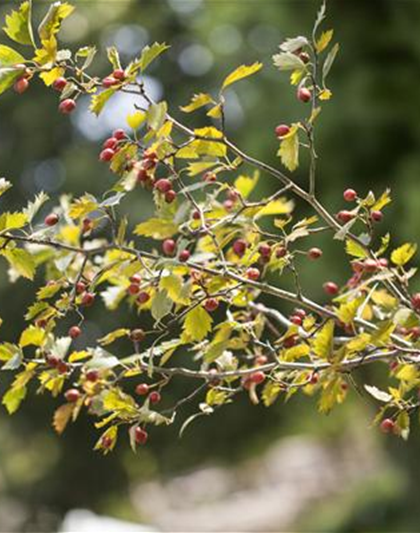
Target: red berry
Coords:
[[119, 74], [133, 289], [142, 176], [415, 301], [314, 253], [370, 265], [297, 320], [52, 360], [170, 196], [313, 379], [140, 436], [112, 143], [387, 425], [303, 94], [41, 323], [376, 216], [135, 278], [51, 219], [106, 442], [155, 397], [92, 375], [349, 195], [281, 251], [75, 332], [119, 134], [148, 164], [331, 288], [150, 155], [143, 297], [383, 262], [88, 299], [415, 332], [210, 177], [261, 360], [228, 205], [169, 247], [211, 304], [107, 154], [87, 225], [184, 255], [109, 81], [142, 389], [305, 57], [253, 274], [163, 185], [239, 247], [72, 395], [59, 84], [67, 106], [345, 216], [196, 215], [21, 85], [282, 130], [265, 250], [289, 342], [80, 287], [62, 367], [137, 335], [300, 312], [257, 377]]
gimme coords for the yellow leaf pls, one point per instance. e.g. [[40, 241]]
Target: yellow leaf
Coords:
[[82, 207], [403, 254], [62, 417], [113, 336], [10, 221], [289, 149], [174, 286], [49, 77], [21, 261], [197, 324], [245, 184], [197, 101], [197, 168], [324, 40], [355, 249], [322, 344], [32, 336], [241, 72], [215, 112], [282, 206], [136, 119], [157, 228], [347, 311], [18, 24], [296, 76], [325, 94]]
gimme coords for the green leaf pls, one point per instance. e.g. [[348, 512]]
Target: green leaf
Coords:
[[51, 23], [7, 78], [21, 261], [9, 221], [197, 101], [197, 324], [403, 254], [156, 115], [289, 149], [289, 61], [113, 57], [355, 249], [241, 72], [161, 305], [9, 57], [113, 336], [98, 101], [330, 60], [13, 398], [18, 24], [150, 53], [157, 228]]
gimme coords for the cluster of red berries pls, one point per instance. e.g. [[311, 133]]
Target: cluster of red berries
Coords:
[[231, 199], [57, 363], [117, 77], [88, 298], [111, 145], [164, 186], [146, 169], [251, 380], [344, 216], [143, 389], [134, 289], [298, 316], [22, 82]]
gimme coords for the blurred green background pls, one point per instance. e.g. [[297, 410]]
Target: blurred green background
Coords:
[[368, 138]]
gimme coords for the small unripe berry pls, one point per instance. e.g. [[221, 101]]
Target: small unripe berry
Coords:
[[303, 94], [314, 253], [163, 185], [72, 395], [239, 247], [257, 377], [349, 195], [119, 134], [88, 299], [140, 436], [387, 425], [137, 335], [142, 389], [111, 142], [415, 301], [331, 288], [67, 106], [170, 196], [211, 304], [184, 255], [376, 216], [51, 219], [119, 74], [253, 274], [133, 289], [107, 154], [59, 84], [169, 247], [143, 297], [282, 130], [155, 397], [75, 332], [345, 216], [383, 262], [21, 85]]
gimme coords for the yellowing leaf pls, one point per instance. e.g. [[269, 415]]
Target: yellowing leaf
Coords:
[[241, 72], [174, 286], [52, 21], [348, 311], [215, 112], [18, 24], [322, 344], [150, 53], [32, 336], [10, 221], [289, 149], [13, 398], [50, 76], [116, 400], [403, 254], [324, 40], [21, 261], [108, 440], [9, 57], [113, 336], [156, 115], [99, 100], [197, 324], [355, 249], [325, 94], [198, 168], [136, 119], [245, 184], [62, 416], [157, 228], [197, 101], [282, 206], [82, 207]]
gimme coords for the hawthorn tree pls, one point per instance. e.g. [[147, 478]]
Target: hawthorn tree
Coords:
[[201, 266]]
